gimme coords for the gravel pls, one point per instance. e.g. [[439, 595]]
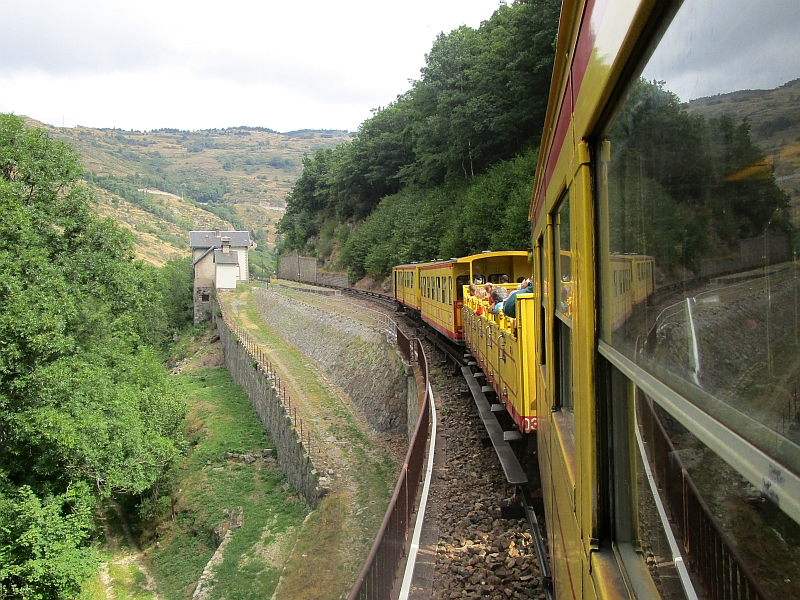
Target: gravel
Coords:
[[478, 553]]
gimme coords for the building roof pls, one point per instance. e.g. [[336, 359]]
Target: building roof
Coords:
[[202, 256], [213, 239], [226, 258]]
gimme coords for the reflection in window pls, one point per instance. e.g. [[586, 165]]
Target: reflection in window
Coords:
[[563, 321], [564, 264], [699, 206]]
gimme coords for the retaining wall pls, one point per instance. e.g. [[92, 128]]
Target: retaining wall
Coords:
[[356, 357], [292, 452], [304, 268]]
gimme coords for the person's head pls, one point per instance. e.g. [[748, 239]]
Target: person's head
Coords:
[[489, 286], [472, 289], [504, 279], [523, 283], [482, 294], [498, 295]]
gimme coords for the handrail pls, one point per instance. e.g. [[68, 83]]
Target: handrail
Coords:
[[377, 576]]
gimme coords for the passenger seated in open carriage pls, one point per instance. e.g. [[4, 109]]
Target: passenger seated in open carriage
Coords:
[[510, 305], [497, 299]]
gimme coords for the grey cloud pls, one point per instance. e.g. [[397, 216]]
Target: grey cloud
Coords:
[[313, 81], [724, 46], [68, 38]]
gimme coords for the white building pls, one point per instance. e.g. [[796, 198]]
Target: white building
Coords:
[[220, 260]]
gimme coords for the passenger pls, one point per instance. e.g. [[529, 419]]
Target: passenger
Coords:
[[489, 287], [472, 290], [498, 298], [504, 279], [479, 280], [510, 305], [482, 297]]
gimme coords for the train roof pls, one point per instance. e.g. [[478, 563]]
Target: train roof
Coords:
[[465, 259]]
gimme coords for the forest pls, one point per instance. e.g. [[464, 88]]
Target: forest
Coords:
[[460, 145], [86, 409]]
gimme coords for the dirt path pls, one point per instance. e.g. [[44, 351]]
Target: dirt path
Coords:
[[356, 460], [124, 559]]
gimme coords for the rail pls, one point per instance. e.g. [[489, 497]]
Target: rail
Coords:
[[711, 555], [377, 576]]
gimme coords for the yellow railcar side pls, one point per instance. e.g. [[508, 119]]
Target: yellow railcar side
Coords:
[[499, 345]]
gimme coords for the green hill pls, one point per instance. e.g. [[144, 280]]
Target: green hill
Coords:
[[159, 184], [774, 126]]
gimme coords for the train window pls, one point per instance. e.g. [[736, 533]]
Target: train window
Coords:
[[450, 291], [562, 338], [438, 289], [696, 179], [702, 193], [461, 281]]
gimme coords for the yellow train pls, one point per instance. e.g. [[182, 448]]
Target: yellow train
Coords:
[[664, 283], [434, 290], [437, 292]]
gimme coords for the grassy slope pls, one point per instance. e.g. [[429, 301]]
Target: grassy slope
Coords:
[[245, 158], [333, 545], [174, 552], [222, 420]]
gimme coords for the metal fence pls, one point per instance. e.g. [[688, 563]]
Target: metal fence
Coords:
[[377, 577], [710, 553], [265, 367], [308, 290]]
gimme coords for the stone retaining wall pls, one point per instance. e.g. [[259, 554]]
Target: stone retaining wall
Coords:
[[356, 357], [292, 455], [304, 268]]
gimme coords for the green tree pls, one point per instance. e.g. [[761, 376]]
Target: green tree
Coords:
[[84, 402]]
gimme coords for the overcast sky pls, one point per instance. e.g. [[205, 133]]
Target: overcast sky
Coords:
[[720, 46], [196, 65]]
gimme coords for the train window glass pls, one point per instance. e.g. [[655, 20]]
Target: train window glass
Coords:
[[699, 184], [563, 264], [438, 289], [450, 290], [543, 303], [563, 307], [461, 281]]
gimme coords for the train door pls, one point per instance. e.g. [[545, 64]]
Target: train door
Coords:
[[461, 275]]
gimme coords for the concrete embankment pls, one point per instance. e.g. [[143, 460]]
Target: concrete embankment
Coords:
[[356, 357]]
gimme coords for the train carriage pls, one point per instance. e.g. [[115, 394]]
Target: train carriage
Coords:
[[405, 286], [645, 164], [434, 290], [503, 349]]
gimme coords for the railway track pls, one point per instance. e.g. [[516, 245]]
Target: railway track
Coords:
[[481, 537]]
